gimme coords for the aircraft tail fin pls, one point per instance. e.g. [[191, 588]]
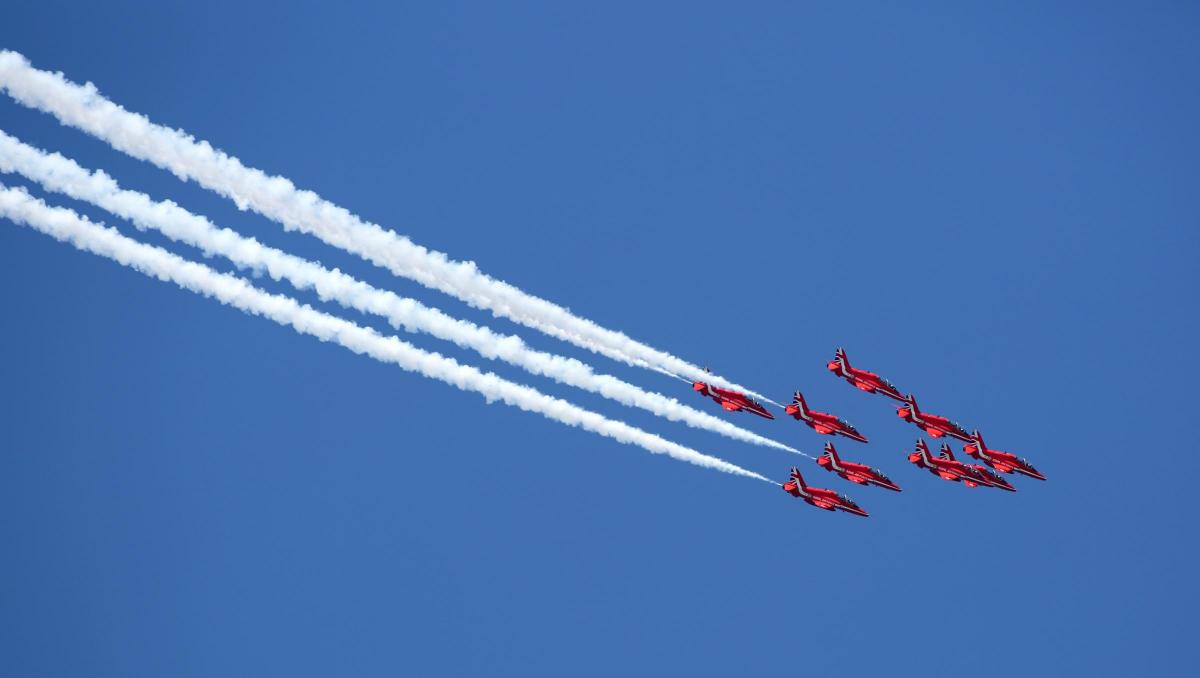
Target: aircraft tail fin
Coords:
[[831, 452], [947, 453], [798, 399], [796, 476], [922, 448]]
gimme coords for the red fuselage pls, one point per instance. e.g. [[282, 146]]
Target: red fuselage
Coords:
[[731, 401], [862, 379], [956, 471], [822, 422], [993, 479], [821, 498], [1003, 462], [932, 424], [855, 473]]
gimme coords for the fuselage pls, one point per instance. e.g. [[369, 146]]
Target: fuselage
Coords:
[[990, 478], [1003, 462], [731, 401], [822, 498], [932, 424], [862, 379], [948, 470], [956, 471], [823, 422], [857, 473]]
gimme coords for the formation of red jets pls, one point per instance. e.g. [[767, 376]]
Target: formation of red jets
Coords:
[[945, 465]]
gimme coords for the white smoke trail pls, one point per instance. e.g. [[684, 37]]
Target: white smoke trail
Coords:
[[83, 107], [68, 226], [63, 175]]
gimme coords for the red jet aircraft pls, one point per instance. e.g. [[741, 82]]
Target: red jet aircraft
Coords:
[[862, 379], [821, 422], [996, 481], [732, 401], [855, 473], [822, 499], [1003, 462], [956, 471], [932, 424]]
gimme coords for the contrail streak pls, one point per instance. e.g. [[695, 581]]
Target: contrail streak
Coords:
[[68, 226], [63, 175], [83, 107]]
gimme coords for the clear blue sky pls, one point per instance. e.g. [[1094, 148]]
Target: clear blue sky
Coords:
[[995, 207]]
